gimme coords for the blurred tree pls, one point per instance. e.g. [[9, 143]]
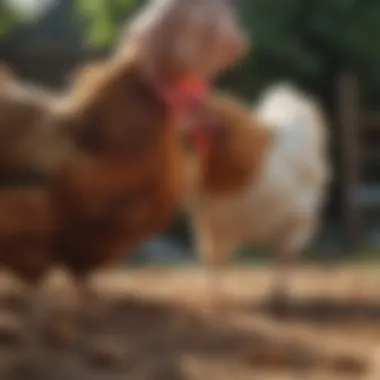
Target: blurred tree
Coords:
[[104, 18], [9, 18], [310, 42]]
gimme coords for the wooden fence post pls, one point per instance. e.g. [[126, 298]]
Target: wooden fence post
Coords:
[[349, 114]]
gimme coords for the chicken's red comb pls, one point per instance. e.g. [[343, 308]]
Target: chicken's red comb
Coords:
[[190, 88], [184, 94], [193, 85]]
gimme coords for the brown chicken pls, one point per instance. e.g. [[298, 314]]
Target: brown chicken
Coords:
[[122, 177], [88, 175]]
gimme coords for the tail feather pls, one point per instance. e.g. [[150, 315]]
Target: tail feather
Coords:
[[299, 124], [283, 106]]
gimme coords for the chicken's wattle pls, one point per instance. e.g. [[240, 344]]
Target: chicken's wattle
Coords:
[[185, 95], [186, 99]]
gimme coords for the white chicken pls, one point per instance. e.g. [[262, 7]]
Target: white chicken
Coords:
[[263, 182]]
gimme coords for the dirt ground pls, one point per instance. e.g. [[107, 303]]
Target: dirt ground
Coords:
[[150, 324]]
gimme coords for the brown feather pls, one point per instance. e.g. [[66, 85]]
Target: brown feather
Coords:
[[237, 149], [116, 180], [122, 182], [26, 230]]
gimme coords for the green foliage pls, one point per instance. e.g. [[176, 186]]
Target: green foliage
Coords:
[[310, 42], [9, 19], [104, 18]]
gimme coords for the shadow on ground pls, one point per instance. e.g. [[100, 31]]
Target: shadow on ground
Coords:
[[149, 340], [322, 310]]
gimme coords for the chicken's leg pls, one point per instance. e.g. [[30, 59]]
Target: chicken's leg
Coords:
[[216, 255], [289, 243], [280, 293]]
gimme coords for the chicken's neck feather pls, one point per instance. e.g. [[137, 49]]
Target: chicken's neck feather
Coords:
[[237, 151], [115, 111]]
